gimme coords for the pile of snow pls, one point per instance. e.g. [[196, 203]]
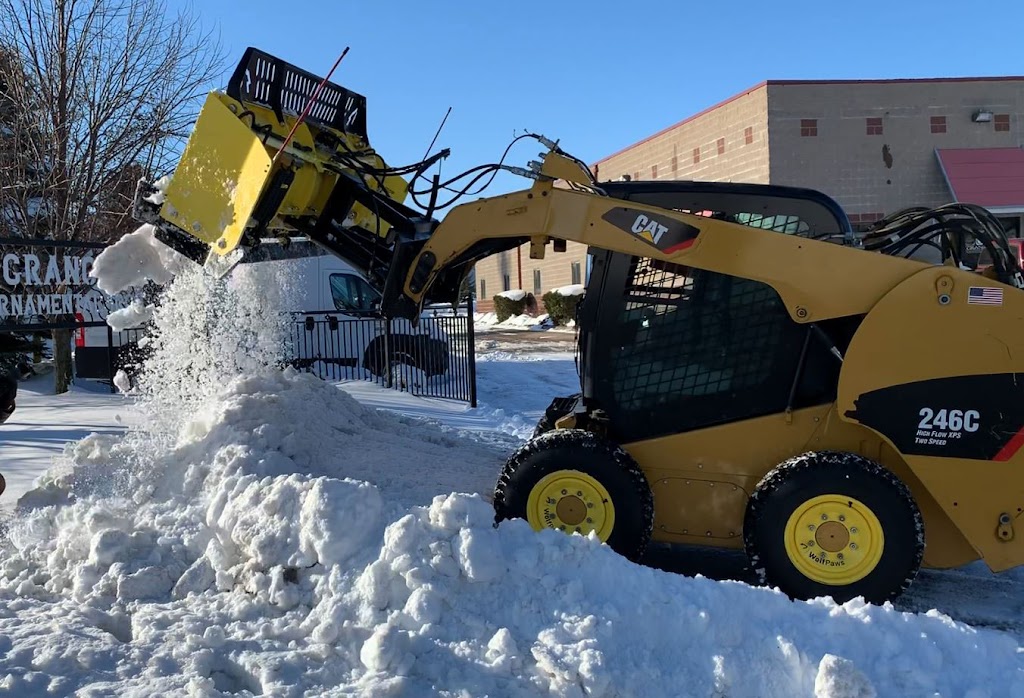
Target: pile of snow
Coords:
[[515, 294], [264, 533], [570, 290]]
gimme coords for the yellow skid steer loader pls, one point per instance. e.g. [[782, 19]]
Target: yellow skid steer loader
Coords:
[[754, 375]]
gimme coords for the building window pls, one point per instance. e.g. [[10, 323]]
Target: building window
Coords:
[[1001, 122], [576, 273], [938, 124], [874, 126], [536, 283], [748, 135], [696, 155], [654, 171], [808, 127], [483, 288], [721, 146], [675, 164], [636, 176], [506, 282]]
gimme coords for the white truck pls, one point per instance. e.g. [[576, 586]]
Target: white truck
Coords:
[[338, 331]]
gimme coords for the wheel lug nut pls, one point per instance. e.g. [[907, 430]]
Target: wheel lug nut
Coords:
[[590, 520], [853, 546], [842, 518], [853, 530], [824, 517], [810, 527], [839, 555], [565, 492]]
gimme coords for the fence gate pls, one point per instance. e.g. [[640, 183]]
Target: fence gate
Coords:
[[434, 359]]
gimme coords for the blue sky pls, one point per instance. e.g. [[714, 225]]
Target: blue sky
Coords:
[[598, 75]]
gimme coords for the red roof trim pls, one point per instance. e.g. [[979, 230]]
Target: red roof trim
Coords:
[[989, 177], [766, 83]]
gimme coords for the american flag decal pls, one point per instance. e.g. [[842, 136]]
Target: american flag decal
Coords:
[[984, 295]]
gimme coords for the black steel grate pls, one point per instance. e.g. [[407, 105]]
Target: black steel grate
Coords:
[[273, 83], [698, 347]]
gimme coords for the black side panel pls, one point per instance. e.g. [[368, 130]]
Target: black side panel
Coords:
[[978, 417], [285, 88]]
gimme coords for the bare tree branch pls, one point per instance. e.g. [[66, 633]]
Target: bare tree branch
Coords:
[[93, 95]]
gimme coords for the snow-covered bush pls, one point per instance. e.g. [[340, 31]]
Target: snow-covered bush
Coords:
[[561, 303], [511, 303]]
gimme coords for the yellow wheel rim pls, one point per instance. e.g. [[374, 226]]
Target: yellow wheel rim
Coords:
[[834, 540], [573, 502]]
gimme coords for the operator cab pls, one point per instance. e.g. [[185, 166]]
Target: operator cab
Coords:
[[684, 348]]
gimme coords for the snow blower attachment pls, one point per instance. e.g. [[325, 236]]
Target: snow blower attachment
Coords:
[[755, 376]]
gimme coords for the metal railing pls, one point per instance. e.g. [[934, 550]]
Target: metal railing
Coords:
[[435, 359]]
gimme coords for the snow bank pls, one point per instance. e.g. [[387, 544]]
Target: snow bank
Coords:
[[571, 290], [267, 534], [515, 322]]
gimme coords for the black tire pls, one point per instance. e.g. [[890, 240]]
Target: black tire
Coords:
[[608, 464], [804, 477]]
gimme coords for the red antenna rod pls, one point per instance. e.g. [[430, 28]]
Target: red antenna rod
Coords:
[[309, 105]]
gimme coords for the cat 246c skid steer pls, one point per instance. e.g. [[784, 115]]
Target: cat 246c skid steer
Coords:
[[845, 407]]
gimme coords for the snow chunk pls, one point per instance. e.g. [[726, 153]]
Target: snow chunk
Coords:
[[839, 678], [135, 314], [121, 381], [133, 260], [160, 194], [515, 294]]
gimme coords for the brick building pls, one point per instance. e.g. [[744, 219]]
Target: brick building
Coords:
[[876, 146]]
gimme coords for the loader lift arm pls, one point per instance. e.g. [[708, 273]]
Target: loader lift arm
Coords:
[[800, 269]]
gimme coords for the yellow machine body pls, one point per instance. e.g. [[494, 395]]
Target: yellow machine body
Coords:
[[918, 326]]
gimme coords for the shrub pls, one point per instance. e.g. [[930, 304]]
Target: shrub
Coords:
[[561, 308], [510, 304]]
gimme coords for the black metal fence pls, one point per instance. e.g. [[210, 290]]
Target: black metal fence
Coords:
[[434, 359]]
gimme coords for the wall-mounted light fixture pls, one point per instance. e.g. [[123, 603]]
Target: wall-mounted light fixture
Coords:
[[981, 116]]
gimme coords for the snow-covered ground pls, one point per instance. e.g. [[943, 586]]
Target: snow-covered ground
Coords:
[[43, 424], [259, 532]]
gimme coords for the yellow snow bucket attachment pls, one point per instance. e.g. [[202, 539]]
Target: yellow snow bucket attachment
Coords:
[[220, 179], [236, 193]]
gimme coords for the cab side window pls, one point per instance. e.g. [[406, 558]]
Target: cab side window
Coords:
[[352, 293]]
